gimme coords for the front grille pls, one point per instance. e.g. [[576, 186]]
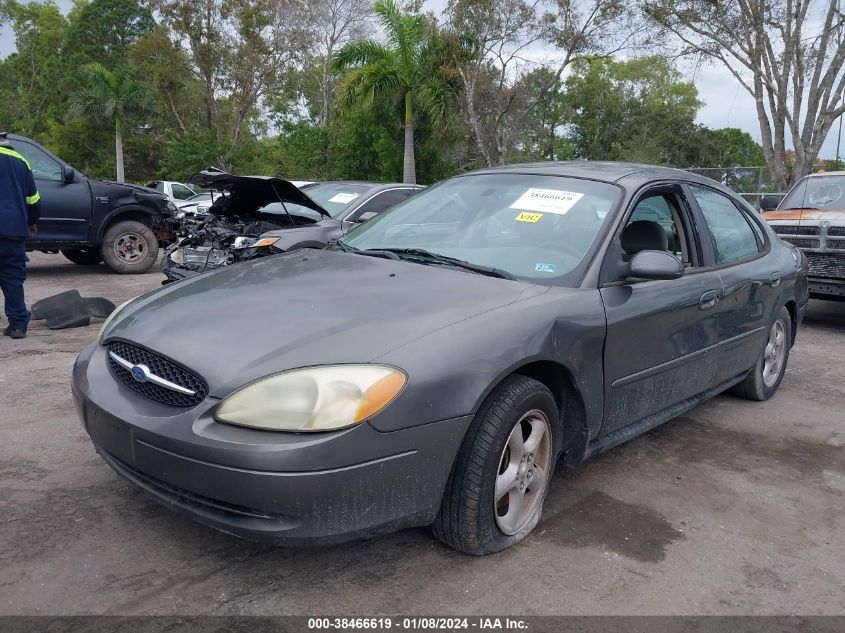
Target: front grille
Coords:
[[795, 229], [826, 265], [803, 242], [838, 231], [162, 368], [837, 244]]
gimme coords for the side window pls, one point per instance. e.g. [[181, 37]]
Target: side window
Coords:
[[44, 166], [383, 201], [732, 235], [655, 225], [181, 192]]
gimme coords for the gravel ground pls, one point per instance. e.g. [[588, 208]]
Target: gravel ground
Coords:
[[735, 508]]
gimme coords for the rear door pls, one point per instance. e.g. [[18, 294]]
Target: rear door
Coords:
[[659, 332], [65, 207], [738, 249]]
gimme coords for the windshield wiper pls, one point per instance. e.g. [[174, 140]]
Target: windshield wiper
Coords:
[[801, 209], [372, 252], [435, 258]]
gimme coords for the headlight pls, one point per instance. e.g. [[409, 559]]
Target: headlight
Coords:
[[313, 399], [111, 316], [243, 241]]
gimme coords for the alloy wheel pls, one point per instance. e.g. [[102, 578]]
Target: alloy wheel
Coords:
[[774, 354], [523, 471]]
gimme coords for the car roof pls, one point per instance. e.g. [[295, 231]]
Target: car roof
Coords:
[[825, 173], [372, 185], [604, 171]]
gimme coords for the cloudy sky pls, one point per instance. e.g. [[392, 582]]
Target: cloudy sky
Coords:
[[726, 104]]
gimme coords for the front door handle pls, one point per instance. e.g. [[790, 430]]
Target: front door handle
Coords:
[[708, 300], [774, 280]]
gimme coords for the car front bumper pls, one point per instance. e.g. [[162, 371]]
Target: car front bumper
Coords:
[[821, 288], [283, 488]]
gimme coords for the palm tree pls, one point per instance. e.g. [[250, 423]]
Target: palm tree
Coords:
[[403, 68], [111, 97]]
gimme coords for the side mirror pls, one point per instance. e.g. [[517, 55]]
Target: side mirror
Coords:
[[655, 265], [769, 203], [68, 174], [367, 215]]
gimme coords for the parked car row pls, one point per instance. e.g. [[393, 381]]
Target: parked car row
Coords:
[[255, 216], [434, 364]]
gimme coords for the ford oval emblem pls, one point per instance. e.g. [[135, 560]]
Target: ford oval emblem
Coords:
[[140, 373]]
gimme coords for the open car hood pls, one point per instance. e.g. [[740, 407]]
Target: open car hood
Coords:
[[247, 194]]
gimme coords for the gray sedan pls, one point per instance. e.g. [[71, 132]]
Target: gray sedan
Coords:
[[436, 365]]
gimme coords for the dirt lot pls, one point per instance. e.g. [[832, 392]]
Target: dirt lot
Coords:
[[736, 508]]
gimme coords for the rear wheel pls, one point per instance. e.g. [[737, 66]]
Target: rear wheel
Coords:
[[129, 247], [84, 256], [767, 374], [494, 496]]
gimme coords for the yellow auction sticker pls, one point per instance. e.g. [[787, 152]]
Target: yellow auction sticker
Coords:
[[528, 217]]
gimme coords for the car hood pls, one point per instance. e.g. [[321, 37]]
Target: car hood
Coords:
[[310, 307], [809, 215], [247, 194]]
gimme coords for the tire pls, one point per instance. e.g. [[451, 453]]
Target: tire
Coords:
[[84, 256], [471, 519], [129, 247], [767, 373]]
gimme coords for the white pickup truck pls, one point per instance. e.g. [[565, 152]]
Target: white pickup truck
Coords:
[[177, 192]]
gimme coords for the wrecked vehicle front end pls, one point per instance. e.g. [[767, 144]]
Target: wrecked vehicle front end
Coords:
[[231, 231]]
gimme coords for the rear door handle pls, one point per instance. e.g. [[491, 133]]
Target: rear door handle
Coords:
[[708, 300], [774, 280]]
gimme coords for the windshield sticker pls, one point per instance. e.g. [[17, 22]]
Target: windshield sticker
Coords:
[[528, 217], [545, 268], [343, 198], [547, 201]]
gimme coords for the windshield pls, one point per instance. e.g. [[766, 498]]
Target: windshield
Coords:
[[816, 192], [334, 197], [536, 228]]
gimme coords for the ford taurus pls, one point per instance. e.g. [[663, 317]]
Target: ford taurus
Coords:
[[436, 364]]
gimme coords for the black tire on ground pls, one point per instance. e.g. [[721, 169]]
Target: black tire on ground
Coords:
[[470, 517], [129, 247], [768, 371], [84, 256]]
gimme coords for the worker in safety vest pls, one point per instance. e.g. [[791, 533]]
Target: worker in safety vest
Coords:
[[20, 209]]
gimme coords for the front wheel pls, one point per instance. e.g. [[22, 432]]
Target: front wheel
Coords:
[[494, 496], [129, 247], [768, 371]]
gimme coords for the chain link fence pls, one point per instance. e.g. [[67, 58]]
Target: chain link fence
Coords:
[[752, 183]]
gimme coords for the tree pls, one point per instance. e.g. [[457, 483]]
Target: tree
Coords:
[[103, 30], [402, 69], [495, 38], [111, 97], [241, 52], [727, 147], [31, 75], [637, 111], [787, 54], [336, 22]]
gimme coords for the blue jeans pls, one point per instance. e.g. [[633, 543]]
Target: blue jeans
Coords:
[[12, 276]]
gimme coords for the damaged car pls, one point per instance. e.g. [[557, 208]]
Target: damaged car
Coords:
[[255, 216], [436, 364]]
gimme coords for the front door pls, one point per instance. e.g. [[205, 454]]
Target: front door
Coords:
[[65, 207], [658, 331]]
